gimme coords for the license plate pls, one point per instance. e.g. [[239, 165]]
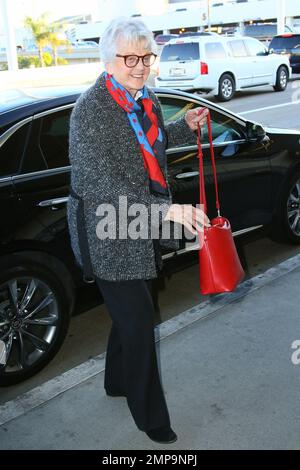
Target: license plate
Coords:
[[177, 72]]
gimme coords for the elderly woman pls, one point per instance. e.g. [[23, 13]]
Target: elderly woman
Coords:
[[117, 153]]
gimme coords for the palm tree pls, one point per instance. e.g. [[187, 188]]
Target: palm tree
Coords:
[[55, 40], [41, 31]]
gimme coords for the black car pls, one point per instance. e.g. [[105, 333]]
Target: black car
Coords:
[[288, 44], [259, 178]]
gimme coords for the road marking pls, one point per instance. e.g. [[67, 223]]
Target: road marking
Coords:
[[79, 374], [269, 107]]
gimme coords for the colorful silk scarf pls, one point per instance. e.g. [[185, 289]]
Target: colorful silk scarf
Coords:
[[150, 140]]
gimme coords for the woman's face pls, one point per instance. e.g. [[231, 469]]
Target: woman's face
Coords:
[[133, 79]]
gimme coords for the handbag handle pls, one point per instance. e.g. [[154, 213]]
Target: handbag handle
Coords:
[[201, 170]]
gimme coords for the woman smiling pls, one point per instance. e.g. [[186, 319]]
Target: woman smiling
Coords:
[[117, 149]]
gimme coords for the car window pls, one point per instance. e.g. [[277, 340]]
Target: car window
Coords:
[[224, 128], [215, 50], [285, 42], [186, 51], [238, 48], [255, 48], [54, 138], [12, 150]]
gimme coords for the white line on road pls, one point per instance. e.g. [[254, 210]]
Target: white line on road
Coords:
[[270, 107]]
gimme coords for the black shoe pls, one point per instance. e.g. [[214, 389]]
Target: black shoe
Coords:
[[163, 435]]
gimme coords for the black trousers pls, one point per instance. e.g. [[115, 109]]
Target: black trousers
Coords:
[[131, 363]]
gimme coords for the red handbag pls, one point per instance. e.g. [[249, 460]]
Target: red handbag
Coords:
[[219, 263]]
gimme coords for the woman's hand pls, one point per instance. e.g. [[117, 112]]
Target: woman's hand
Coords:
[[193, 218], [193, 116]]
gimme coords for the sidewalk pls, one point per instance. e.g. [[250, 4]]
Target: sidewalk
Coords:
[[227, 373]]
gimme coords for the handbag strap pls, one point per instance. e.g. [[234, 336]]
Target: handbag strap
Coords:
[[201, 169]]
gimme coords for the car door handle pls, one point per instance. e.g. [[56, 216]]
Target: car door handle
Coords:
[[53, 203], [187, 174]]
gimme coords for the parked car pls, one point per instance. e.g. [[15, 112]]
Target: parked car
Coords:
[[262, 31], [84, 44], [288, 44], [259, 184], [197, 33], [161, 39], [221, 65]]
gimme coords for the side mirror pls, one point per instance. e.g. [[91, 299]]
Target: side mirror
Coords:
[[255, 132], [271, 51], [263, 53]]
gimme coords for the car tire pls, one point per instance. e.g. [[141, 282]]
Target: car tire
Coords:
[[286, 226], [34, 331], [226, 88], [281, 79]]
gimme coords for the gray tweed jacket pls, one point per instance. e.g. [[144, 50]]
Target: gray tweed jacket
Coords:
[[106, 163]]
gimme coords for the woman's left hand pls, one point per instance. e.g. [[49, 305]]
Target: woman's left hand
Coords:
[[193, 116]]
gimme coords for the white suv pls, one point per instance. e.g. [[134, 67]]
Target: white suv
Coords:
[[221, 65]]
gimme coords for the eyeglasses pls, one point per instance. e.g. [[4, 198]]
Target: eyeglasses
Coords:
[[133, 60]]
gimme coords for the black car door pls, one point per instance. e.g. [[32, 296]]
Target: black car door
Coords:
[[243, 167], [43, 183], [11, 151]]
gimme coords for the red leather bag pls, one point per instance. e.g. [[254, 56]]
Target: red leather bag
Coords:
[[219, 264]]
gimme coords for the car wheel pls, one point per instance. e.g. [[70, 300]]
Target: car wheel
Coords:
[[226, 88], [287, 224], [34, 318], [281, 79]]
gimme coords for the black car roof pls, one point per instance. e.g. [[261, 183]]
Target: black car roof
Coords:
[[286, 35], [19, 110], [17, 105]]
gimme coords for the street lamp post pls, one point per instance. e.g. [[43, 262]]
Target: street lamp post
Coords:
[[208, 16], [11, 50], [280, 16]]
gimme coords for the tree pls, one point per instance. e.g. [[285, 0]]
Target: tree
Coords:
[[41, 32], [55, 40]]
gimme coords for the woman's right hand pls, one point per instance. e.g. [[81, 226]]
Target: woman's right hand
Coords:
[[193, 218]]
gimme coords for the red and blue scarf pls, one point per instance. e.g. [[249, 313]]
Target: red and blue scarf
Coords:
[[151, 141]]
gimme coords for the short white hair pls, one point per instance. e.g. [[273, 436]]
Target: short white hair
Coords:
[[130, 30]]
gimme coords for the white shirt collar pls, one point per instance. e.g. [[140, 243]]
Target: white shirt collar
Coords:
[[139, 93]]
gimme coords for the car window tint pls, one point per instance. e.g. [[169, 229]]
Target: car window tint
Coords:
[[173, 108], [33, 159], [238, 48], [186, 51], [288, 42], [224, 128], [11, 151], [215, 50], [255, 48], [54, 138]]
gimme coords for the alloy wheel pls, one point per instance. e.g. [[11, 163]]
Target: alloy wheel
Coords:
[[293, 209], [28, 321], [283, 79], [226, 88]]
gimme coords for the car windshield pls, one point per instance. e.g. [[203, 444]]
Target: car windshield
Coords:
[[285, 42], [184, 51]]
